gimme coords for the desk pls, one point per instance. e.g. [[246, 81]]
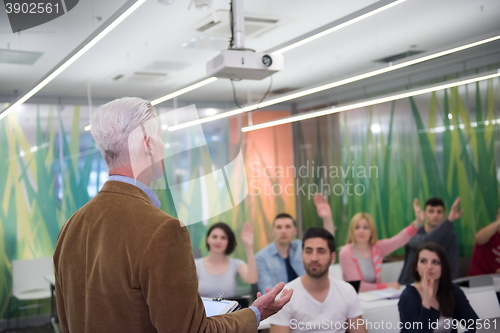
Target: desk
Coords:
[[387, 306], [480, 281], [387, 309], [482, 299]]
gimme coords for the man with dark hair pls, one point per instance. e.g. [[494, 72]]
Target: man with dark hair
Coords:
[[437, 229], [281, 260], [320, 303]]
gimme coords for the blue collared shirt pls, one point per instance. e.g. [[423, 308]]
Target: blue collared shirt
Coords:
[[257, 313], [154, 199], [149, 192], [272, 266]]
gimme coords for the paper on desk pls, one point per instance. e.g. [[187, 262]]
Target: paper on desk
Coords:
[[376, 295]]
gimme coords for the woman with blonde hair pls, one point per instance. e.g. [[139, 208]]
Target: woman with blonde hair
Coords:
[[361, 258]]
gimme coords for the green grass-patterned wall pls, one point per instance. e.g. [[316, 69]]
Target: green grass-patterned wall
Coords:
[[445, 144], [31, 212], [416, 155]]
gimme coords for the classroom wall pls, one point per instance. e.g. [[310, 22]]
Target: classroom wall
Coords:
[[419, 153], [415, 155]]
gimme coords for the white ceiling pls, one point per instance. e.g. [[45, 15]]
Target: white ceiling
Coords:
[[54, 39], [157, 32]]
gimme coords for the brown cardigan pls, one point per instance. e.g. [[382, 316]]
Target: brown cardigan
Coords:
[[122, 265]]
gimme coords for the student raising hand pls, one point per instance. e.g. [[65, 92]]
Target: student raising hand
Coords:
[[324, 211], [455, 211], [247, 235]]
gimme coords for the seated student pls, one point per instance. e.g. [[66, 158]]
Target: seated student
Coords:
[[436, 229], [486, 256], [281, 260], [317, 298], [217, 272], [434, 301], [361, 258]]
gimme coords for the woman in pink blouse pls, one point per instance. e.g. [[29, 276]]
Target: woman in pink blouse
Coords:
[[361, 258]]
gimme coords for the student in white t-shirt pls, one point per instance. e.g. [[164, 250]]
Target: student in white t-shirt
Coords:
[[319, 303]]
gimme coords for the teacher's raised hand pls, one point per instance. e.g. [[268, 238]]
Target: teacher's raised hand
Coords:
[[268, 304]]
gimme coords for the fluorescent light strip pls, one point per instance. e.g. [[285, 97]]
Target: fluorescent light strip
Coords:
[[183, 91], [332, 85], [210, 118], [373, 73], [174, 94], [338, 27], [320, 113], [73, 58]]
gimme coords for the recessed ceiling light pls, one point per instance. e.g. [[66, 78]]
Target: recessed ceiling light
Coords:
[[210, 112], [376, 128]]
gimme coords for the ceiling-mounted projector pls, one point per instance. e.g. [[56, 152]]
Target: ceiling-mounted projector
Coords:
[[245, 65], [238, 62]]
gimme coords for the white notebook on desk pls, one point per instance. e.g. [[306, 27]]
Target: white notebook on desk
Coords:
[[376, 295]]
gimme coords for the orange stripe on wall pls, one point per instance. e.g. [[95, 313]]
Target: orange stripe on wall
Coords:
[[269, 163]]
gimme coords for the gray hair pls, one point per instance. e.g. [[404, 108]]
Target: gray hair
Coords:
[[112, 124]]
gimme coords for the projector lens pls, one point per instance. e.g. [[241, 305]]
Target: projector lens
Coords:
[[267, 60]]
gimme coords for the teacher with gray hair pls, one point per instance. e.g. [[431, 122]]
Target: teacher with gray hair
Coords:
[[124, 265]]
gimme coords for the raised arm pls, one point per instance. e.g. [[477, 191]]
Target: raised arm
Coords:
[[484, 235], [248, 271], [325, 212], [390, 245]]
